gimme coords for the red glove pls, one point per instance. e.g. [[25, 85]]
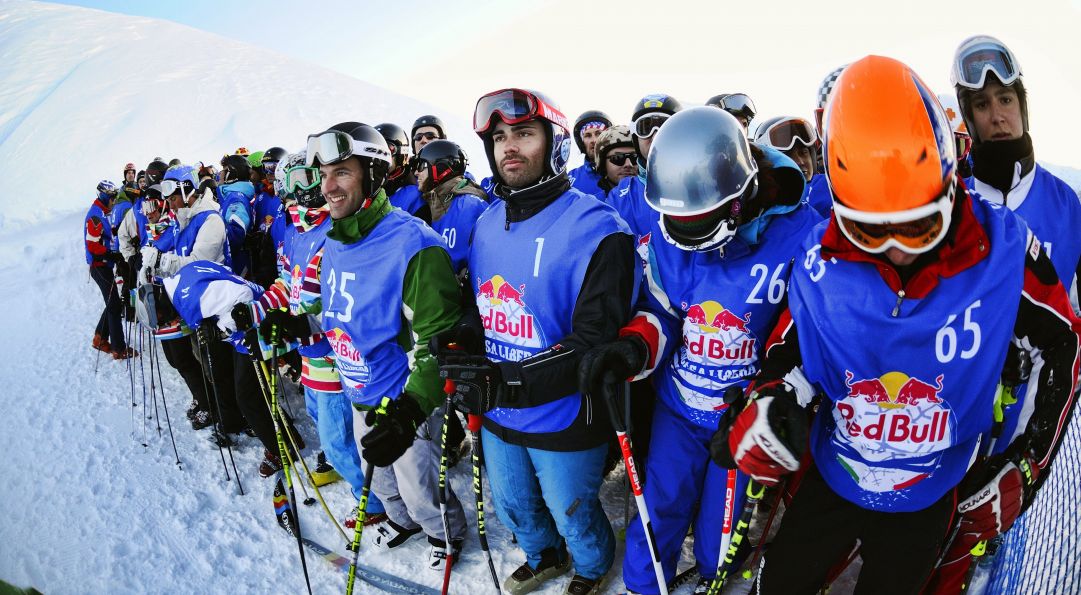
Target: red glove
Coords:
[[992, 509], [768, 438]]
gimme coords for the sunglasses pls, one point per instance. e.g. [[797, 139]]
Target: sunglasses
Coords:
[[424, 136], [618, 159]]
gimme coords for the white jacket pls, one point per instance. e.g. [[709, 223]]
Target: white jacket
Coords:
[[210, 243]]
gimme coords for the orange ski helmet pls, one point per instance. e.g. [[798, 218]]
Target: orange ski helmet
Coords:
[[890, 157]]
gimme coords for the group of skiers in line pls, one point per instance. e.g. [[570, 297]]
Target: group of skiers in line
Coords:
[[916, 411]]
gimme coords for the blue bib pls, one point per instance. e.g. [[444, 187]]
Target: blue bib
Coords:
[[361, 287], [527, 280], [909, 383], [456, 227], [728, 306], [586, 180], [408, 198], [303, 249], [629, 200]]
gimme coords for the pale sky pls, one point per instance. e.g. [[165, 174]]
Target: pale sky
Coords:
[[606, 55]]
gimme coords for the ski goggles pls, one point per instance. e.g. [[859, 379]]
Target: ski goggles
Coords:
[[269, 167], [618, 159], [514, 106], [429, 136], [738, 104], [648, 124], [914, 231], [301, 178], [151, 206], [980, 57], [334, 146], [168, 187], [784, 134]]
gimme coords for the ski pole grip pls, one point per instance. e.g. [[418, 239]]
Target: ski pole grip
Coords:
[[608, 391], [474, 422]]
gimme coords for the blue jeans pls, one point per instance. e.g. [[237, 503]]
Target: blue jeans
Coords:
[[545, 497], [333, 415], [679, 476]]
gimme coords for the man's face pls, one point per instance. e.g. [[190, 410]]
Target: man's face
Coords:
[[996, 112], [518, 152], [342, 186], [744, 121], [589, 139], [175, 201], [142, 183], [129, 175], [804, 159], [629, 167], [423, 136], [422, 179]]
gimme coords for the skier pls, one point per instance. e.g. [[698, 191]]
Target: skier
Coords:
[[908, 364], [701, 319], [401, 186], [235, 194], [425, 130], [453, 201], [386, 288], [199, 234], [795, 137], [587, 129], [266, 207], [737, 104], [129, 183], [650, 113], [554, 274], [993, 102], [616, 157], [297, 290], [98, 237]]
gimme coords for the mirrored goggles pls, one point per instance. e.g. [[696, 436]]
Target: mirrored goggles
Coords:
[[329, 147], [269, 167], [169, 187], [914, 232], [738, 104], [618, 159], [301, 178], [514, 106], [784, 135], [648, 124], [977, 60], [151, 206]]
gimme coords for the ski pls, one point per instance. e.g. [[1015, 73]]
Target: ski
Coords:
[[383, 581]]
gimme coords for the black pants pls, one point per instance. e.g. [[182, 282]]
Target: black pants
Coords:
[[111, 323], [180, 355], [250, 399], [221, 387], [820, 528]]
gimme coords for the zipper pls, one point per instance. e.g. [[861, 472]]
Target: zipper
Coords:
[[897, 306], [589, 410]]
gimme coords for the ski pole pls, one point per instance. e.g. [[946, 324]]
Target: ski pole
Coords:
[[165, 406], [142, 376], [478, 493], [210, 371], [626, 448], [726, 524], [754, 493], [448, 388], [283, 452], [362, 507], [153, 392]]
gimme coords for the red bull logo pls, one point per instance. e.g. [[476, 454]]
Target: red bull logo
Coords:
[[297, 281], [893, 416], [504, 312], [721, 335], [343, 346]]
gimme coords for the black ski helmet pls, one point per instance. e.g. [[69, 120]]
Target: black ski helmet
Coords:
[[442, 159], [398, 142], [587, 117], [235, 168], [155, 170], [274, 154], [374, 165], [422, 121]]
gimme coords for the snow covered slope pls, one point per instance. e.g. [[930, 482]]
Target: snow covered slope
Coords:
[[82, 92]]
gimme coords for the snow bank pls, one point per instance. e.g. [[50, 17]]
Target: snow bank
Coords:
[[84, 91]]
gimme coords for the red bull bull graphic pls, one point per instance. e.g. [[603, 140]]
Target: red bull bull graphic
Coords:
[[892, 417], [351, 365], [507, 318], [296, 282], [718, 350]]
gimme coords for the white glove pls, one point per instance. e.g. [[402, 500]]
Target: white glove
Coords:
[[150, 256]]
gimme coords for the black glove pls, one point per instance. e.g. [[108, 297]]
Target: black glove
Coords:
[[135, 263], [280, 326], [208, 332], [623, 358], [114, 257], [393, 428], [242, 317], [461, 338], [476, 382]]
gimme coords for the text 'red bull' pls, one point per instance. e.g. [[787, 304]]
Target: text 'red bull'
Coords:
[[498, 322], [896, 426], [714, 348]]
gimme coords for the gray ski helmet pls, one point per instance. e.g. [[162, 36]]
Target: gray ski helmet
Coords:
[[586, 118], [699, 163], [980, 57], [423, 121]]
